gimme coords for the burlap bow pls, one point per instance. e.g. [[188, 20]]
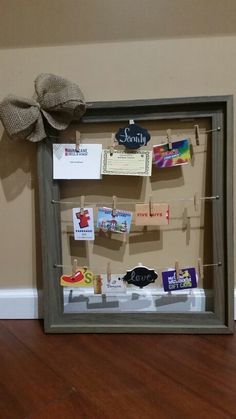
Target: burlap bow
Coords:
[[57, 99]]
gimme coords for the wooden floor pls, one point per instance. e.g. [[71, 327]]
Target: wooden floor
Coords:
[[114, 376]]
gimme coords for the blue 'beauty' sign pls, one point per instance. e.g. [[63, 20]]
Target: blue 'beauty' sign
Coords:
[[133, 136]]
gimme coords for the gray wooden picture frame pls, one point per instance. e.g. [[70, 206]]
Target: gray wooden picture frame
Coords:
[[219, 110]]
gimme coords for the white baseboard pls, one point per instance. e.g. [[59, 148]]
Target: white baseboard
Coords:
[[26, 303]]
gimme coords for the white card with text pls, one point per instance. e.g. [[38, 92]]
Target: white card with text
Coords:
[[68, 163], [83, 224]]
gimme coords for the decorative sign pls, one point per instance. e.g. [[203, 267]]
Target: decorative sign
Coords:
[[187, 279], [133, 136], [140, 276], [69, 163], [158, 214], [83, 224], [119, 222], [82, 278], [177, 156], [136, 163], [115, 285]]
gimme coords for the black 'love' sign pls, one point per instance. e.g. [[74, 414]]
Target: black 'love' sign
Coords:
[[140, 276], [133, 136]]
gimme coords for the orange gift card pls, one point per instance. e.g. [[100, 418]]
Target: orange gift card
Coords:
[[157, 214]]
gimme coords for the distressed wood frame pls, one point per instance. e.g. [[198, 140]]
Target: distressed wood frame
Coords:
[[220, 110]]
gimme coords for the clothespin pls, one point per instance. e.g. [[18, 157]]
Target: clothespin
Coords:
[[112, 146], [108, 272], [168, 132], [197, 134], [82, 204], [114, 199], [195, 201], [150, 206], [177, 269], [200, 268], [77, 140], [74, 266]]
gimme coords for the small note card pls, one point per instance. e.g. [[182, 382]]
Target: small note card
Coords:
[[68, 163], [177, 156], [116, 285], [187, 279], [119, 222], [156, 214], [83, 224], [136, 163]]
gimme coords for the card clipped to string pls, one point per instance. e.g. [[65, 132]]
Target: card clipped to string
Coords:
[[133, 163], [154, 214], [186, 278], [117, 221], [178, 155], [83, 223], [71, 162]]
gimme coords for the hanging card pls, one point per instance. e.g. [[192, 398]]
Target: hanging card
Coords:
[[158, 214], [133, 136], [119, 222], [83, 224], [187, 279], [177, 156], [69, 163], [115, 285], [140, 276], [82, 278], [136, 163]]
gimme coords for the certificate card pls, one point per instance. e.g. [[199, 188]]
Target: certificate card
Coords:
[[138, 163], [68, 163]]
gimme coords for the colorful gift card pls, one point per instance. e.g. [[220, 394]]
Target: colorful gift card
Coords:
[[117, 221], [154, 214], [135, 163], [82, 278], [115, 285], [83, 224], [133, 136], [177, 156], [140, 276], [68, 163], [187, 279]]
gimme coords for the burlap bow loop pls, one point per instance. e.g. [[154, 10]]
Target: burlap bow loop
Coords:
[[59, 100]]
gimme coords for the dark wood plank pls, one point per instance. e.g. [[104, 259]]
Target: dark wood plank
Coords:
[[148, 376], [26, 382]]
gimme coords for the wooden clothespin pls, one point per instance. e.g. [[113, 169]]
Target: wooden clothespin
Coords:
[[77, 140], [150, 206], [197, 134], [200, 268], [108, 272], [74, 266], [196, 201], [113, 143], [114, 200], [168, 132], [177, 269], [82, 204]]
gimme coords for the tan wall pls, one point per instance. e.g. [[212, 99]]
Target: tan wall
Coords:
[[201, 62]]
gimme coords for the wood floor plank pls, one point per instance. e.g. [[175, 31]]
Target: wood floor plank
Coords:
[[26, 382], [160, 376]]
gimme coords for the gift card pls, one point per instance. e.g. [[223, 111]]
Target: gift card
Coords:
[[187, 279], [115, 285], [177, 156], [83, 224], [117, 221], [132, 163], [83, 277], [156, 214]]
